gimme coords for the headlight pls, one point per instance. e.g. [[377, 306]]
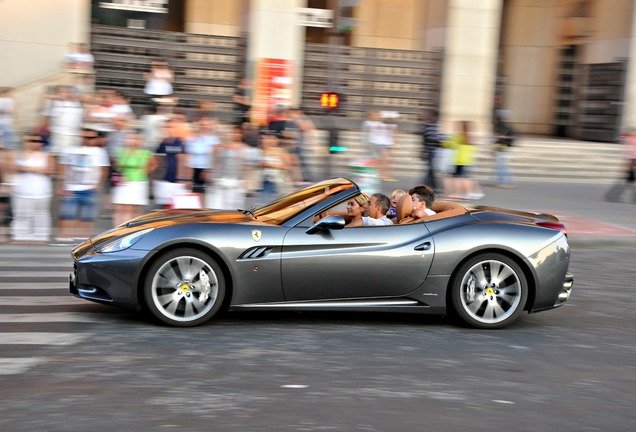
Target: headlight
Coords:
[[124, 242]]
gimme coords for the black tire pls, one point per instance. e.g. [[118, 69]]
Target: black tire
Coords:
[[184, 288], [489, 291]]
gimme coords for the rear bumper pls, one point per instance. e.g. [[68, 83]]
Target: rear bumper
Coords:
[[564, 295], [553, 280]]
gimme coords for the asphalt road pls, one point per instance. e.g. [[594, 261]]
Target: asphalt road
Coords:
[[69, 365]]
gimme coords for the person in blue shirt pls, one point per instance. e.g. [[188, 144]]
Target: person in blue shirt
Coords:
[[172, 183]]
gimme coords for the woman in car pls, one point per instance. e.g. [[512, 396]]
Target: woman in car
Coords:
[[355, 209]]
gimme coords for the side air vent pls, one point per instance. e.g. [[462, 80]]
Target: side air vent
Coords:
[[256, 252]]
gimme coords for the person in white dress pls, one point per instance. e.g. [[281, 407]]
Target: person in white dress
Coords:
[[158, 81], [227, 189], [32, 193]]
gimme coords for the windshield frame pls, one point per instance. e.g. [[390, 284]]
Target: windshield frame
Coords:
[[289, 206]]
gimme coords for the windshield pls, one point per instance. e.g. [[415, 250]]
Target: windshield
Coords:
[[288, 206]]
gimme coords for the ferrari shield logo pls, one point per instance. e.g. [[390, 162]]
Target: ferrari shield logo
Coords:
[[256, 235]]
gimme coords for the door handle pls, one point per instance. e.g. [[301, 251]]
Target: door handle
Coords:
[[423, 247]]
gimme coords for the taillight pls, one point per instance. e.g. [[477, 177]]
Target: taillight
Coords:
[[554, 225]]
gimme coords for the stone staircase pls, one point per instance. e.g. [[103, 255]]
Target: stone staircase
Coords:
[[532, 159]]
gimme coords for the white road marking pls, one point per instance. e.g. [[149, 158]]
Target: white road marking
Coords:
[[18, 365], [29, 266], [39, 300], [29, 273], [51, 317], [21, 286], [42, 338]]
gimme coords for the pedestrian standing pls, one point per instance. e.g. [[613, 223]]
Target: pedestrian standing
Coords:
[[158, 82], [152, 126], [227, 183], [65, 119], [83, 171], [504, 140], [304, 139], [135, 163], [431, 140], [32, 193], [627, 180], [242, 102], [8, 138], [379, 138], [199, 149], [173, 181], [275, 166], [462, 185]]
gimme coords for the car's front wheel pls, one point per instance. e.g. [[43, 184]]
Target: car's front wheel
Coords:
[[489, 291], [184, 287]]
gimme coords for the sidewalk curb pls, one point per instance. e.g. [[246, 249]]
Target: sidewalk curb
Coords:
[[596, 241]]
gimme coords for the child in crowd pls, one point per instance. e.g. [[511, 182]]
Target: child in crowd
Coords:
[[394, 198]]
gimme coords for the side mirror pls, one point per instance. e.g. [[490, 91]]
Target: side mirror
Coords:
[[328, 223]]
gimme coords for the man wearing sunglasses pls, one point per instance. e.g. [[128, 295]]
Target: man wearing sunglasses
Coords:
[[82, 173]]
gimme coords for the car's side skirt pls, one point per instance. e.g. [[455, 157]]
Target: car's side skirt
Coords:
[[389, 305]]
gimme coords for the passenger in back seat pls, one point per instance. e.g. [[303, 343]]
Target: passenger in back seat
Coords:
[[422, 198]]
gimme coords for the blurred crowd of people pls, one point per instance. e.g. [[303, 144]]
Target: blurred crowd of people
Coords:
[[92, 157], [98, 158], [450, 158]]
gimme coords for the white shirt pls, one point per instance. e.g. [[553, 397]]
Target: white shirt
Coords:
[[379, 133], [159, 83], [30, 184], [6, 109], [369, 221], [66, 117], [82, 171], [121, 110], [200, 150]]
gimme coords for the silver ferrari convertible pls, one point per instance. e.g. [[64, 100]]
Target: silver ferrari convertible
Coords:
[[484, 265]]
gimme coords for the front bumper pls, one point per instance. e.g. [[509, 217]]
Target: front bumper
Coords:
[[88, 293], [112, 278]]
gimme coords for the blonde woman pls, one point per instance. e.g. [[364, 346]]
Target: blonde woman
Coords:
[[356, 207]]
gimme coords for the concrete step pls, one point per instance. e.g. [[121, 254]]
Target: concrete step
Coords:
[[532, 158]]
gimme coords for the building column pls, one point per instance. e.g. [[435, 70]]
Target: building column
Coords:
[[470, 63], [628, 120], [275, 55]]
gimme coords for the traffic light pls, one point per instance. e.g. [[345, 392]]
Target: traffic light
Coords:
[[330, 100], [334, 136]]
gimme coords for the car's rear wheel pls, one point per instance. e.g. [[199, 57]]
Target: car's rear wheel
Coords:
[[184, 287], [489, 291]]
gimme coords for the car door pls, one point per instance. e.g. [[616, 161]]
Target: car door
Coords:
[[358, 262]]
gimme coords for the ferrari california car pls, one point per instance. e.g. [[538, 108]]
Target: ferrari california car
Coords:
[[484, 265]]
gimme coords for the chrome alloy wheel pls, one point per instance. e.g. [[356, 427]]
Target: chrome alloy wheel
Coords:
[[492, 292], [184, 289]]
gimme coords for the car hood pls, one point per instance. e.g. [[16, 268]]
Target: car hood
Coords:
[[164, 218], [186, 216]]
